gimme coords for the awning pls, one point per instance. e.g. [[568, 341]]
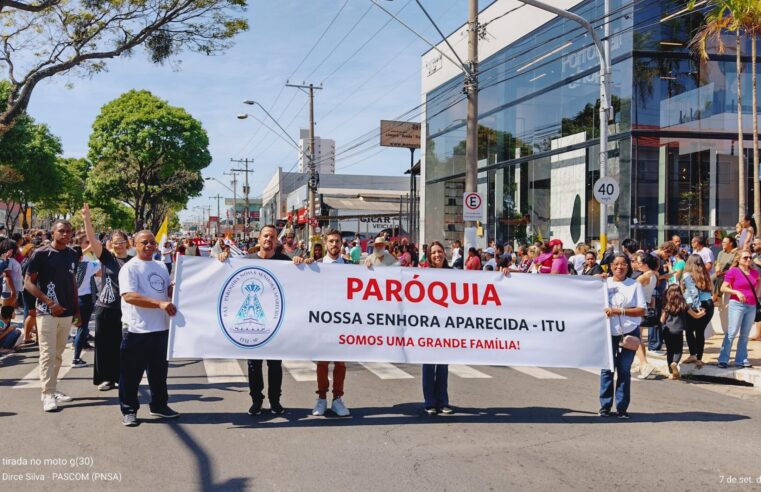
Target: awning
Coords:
[[360, 204]]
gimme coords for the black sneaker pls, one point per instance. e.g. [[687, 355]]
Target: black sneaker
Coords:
[[604, 412], [623, 416], [446, 410], [276, 408], [165, 412], [129, 420], [431, 410], [256, 408], [78, 363]]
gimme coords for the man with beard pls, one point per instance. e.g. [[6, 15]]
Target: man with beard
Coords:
[[333, 250]]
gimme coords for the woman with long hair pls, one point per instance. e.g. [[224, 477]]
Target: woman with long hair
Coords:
[[435, 376], [698, 293], [108, 309], [648, 266], [741, 283]]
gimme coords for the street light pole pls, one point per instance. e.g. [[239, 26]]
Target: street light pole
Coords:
[[603, 52], [235, 199], [312, 164]]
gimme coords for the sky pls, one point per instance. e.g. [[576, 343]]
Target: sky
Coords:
[[381, 81]]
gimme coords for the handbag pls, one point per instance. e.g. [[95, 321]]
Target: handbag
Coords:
[[629, 342], [758, 307]]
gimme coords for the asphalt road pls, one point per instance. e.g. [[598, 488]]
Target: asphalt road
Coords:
[[529, 430]]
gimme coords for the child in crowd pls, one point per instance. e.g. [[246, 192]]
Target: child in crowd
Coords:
[[674, 321], [9, 336]]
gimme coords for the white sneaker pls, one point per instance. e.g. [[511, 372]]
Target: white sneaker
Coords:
[[320, 407], [59, 397], [339, 408], [49, 404]]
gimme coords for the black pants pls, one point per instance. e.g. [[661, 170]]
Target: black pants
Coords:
[[256, 380], [696, 330], [141, 352], [108, 340], [674, 340]]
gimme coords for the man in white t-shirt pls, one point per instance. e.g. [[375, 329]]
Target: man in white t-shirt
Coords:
[[699, 248], [146, 291]]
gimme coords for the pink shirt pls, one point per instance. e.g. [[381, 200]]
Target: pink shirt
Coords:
[[737, 281], [560, 264]]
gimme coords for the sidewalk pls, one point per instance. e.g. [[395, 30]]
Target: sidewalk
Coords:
[[710, 357]]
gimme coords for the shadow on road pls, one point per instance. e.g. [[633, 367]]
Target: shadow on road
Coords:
[[410, 413], [7, 414]]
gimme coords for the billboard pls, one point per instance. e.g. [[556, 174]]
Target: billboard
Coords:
[[405, 134]]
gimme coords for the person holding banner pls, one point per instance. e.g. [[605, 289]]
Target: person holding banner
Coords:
[[435, 391], [145, 291], [333, 243], [626, 306], [267, 251]]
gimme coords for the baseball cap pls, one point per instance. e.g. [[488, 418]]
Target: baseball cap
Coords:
[[489, 250], [554, 242]]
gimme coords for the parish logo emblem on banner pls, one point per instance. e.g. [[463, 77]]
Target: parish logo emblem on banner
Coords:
[[251, 307]]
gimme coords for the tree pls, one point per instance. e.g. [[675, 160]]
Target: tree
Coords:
[[53, 37], [147, 155], [28, 154]]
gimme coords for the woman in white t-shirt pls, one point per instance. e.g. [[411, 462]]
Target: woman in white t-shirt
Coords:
[[167, 251], [626, 306], [648, 265]]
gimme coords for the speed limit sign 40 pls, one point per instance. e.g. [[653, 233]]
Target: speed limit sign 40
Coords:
[[606, 190]]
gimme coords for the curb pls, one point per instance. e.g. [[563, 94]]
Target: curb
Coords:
[[747, 375]]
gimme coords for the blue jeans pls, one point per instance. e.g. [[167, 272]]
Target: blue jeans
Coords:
[[741, 318], [435, 385], [622, 363], [85, 313]]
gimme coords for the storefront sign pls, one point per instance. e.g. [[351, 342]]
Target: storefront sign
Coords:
[[258, 309]]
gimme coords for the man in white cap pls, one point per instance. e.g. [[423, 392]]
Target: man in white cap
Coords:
[[379, 256], [490, 261]]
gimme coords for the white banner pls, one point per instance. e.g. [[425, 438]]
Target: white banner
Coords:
[[266, 309]]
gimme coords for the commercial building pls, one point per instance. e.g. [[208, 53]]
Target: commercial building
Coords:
[[324, 154], [673, 139], [356, 204]]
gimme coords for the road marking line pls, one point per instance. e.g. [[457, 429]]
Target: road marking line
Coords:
[[223, 371], [467, 372], [32, 379], [301, 370], [596, 372], [538, 372], [385, 370]]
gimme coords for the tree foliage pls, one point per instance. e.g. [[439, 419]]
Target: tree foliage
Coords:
[[148, 155], [28, 172], [42, 39]]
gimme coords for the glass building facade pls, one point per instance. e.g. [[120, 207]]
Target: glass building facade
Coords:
[[673, 138]]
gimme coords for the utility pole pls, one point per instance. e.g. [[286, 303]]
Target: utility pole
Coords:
[[471, 138], [313, 178], [218, 197], [235, 199], [246, 190]]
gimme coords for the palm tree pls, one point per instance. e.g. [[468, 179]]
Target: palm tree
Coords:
[[719, 20], [749, 19]]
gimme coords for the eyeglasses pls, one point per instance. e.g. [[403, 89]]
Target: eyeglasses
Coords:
[[745, 257], [146, 243], [118, 243]]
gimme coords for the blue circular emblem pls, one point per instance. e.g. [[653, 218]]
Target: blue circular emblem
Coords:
[[251, 307]]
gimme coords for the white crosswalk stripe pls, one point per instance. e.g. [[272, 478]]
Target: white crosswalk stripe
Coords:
[[223, 371], [467, 372], [32, 378], [301, 370], [385, 370], [538, 372]]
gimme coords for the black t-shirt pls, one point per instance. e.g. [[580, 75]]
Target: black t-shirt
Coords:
[[55, 271], [109, 296]]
